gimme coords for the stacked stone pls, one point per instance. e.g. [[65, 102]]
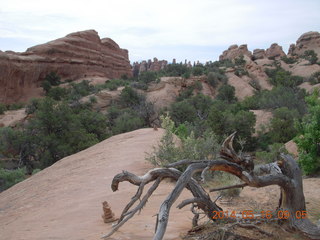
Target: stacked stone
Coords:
[[108, 215]]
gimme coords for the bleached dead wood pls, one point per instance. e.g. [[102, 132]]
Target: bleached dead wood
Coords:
[[284, 173]]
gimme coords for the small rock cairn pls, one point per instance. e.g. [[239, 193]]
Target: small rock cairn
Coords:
[[108, 215]]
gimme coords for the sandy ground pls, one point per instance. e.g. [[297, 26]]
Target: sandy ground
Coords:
[[263, 118], [12, 118], [64, 201]]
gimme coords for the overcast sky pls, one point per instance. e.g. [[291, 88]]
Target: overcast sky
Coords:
[[167, 29]]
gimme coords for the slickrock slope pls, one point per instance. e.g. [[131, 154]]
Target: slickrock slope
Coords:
[[64, 201], [78, 55]]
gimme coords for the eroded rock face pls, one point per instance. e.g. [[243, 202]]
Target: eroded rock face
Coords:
[[258, 54], [149, 65], [275, 51], [78, 55], [234, 51], [307, 41]]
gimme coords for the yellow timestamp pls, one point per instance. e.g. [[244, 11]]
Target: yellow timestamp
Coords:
[[249, 214]]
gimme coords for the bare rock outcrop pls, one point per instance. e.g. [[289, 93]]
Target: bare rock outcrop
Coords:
[[258, 54], [307, 41], [275, 51], [149, 65], [235, 51], [78, 55]]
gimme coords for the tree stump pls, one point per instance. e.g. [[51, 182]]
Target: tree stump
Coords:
[[108, 215]]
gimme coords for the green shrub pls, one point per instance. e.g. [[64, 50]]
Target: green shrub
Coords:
[[272, 154], [81, 89], [185, 94], [32, 106], [126, 122], [277, 97], [53, 78], [214, 78], [227, 93], [15, 106], [93, 99], [129, 97], [239, 61], [311, 56], [280, 77], [147, 77], [288, 60], [191, 147], [56, 131], [57, 93], [10, 141], [282, 127], [224, 121], [183, 112], [176, 70], [315, 78], [198, 70], [8, 178], [46, 86], [3, 108], [309, 138]]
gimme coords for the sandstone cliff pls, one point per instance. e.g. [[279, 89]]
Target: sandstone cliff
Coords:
[[78, 55], [307, 41]]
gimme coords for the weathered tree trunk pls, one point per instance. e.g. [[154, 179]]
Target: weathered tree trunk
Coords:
[[284, 173]]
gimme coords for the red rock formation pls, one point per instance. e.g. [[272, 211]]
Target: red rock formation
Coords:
[[78, 55], [234, 51], [145, 66], [307, 41], [258, 54], [275, 51]]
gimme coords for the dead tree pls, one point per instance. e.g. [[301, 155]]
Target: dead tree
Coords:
[[284, 173]]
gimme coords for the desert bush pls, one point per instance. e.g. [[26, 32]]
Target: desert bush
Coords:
[[198, 70], [8, 178], [288, 60], [227, 93], [214, 78], [147, 77], [10, 142], [56, 131], [3, 108], [53, 78], [57, 93], [239, 61], [282, 127], [191, 147], [139, 85], [185, 94], [15, 106], [272, 154], [176, 70], [277, 97], [79, 90], [32, 106], [309, 137], [126, 122], [280, 77], [129, 97], [223, 120], [315, 78], [311, 56]]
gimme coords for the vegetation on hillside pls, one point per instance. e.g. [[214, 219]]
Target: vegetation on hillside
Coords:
[[62, 124]]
